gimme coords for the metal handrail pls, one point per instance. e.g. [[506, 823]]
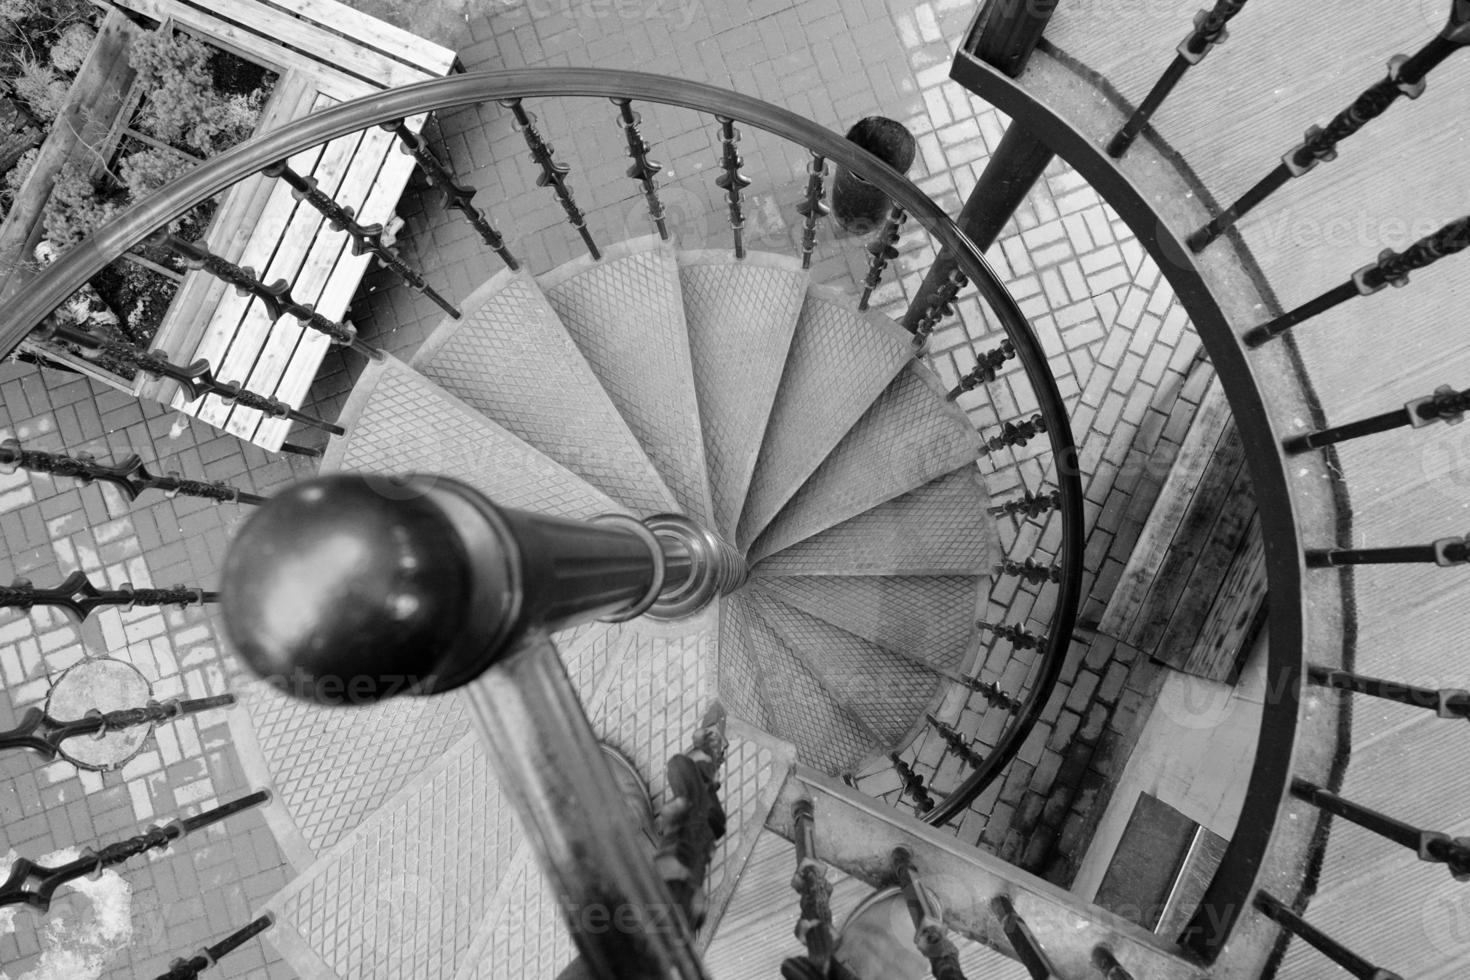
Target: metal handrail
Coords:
[[47, 292]]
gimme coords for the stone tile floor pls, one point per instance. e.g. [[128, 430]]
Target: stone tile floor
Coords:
[[1119, 343]]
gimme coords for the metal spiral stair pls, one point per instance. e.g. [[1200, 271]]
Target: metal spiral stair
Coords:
[[651, 380]]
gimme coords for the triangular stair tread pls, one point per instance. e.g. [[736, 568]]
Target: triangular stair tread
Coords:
[[399, 422], [827, 735], [888, 692], [741, 316], [910, 436], [840, 362], [439, 848], [626, 314], [929, 619], [509, 357], [942, 528], [739, 674]]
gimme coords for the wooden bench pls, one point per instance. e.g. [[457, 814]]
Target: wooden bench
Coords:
[[335, 54]]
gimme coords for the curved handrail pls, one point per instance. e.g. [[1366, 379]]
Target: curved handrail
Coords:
[[58, 281]]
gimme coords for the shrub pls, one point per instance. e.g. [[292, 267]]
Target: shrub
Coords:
[[41, 88], [174, 70], [78, 204], [71, 49]]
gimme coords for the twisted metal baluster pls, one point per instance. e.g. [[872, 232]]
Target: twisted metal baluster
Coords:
[[1406, 77], [553, 174], [1445, 405], [1391, 269], [365, 238], [276, 297], [1031, 571], [1445, 702], [643, 169], [992, 693], [913, 784], [929, 933], [955, 743], [1430, 845], [78, 596], [452, 194], [732, 181], [812, 207], [1273, 909], [1025, 945], [197, 380], [1015, 434], [883, 249], [1209, 30], [941, 304], [130, 476], [1444, 552], [1107, 964], [1029, 504], [987, 367], [43, 734], [814, 928], [1018, 635], [691, 824], [34, 885], [190, 969]]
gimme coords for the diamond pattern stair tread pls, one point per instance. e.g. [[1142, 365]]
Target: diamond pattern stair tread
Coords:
[[929, 619], [888, 692], [404, 894], [741, 316], [509, 357], [942, 528], [400, 422], [909, 436], [739, 681], [827, 736], [626, 313], [840, 362], [524, 936]]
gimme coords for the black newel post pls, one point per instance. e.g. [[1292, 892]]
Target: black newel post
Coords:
[[858, 206]]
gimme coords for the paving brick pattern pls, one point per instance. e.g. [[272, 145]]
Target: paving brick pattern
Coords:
[[1118, 341]]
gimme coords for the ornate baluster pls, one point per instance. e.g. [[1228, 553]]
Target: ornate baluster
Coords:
[[1445, 405], [929, 932], [883, 249], [35, 884], [78, 596], [1406, 77], [1015, 434], [1391, 269], [941, 303], [987, 366], [913, 784], [693, 821], [130, 476], [1030, 504], [197, 380], [1019, 636], [1444, 552], [453, 195], [1029, 570], [1209, 30], [643, 169], [276, 297], [365, 238], [956, 743], [209, 956], [1446, 702], [43, 734], [1023, 943], [1272, 909], [812, 207], [1430, 845], [553, 174], [732, 181], [1107, 964], [991, 693], [814, 928]]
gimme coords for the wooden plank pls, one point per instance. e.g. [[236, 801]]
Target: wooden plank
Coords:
[[95, 99], [1190, 543], [394, 42], [263, 29], [1235, 617], [245, 325], [1168, 512]]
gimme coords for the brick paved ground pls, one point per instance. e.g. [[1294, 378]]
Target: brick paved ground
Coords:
[[1120, 346]]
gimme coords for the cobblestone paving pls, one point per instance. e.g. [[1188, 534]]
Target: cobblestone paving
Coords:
[[1119, 343]]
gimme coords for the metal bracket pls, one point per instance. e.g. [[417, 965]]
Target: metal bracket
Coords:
[[1410, 90], [1441, 551]]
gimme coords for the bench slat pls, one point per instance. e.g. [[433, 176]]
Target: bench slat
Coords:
[[391, 41]]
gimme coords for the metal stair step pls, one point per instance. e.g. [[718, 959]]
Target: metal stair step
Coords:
[[741, 316], [626, 314], [510, 357], [909, 436], [941, 528], [840, 362], [739, 681]]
